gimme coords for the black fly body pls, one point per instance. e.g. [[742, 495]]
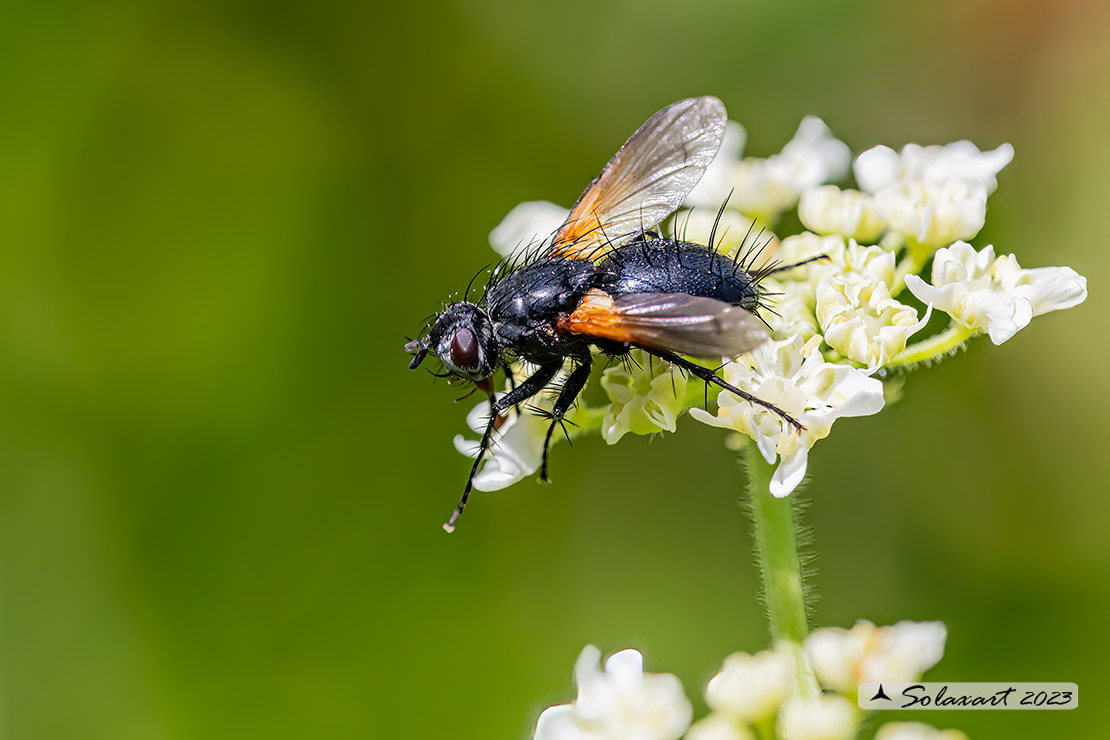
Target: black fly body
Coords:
[[605, 280]]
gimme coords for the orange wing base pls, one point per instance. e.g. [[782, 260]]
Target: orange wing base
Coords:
[[596, 316]]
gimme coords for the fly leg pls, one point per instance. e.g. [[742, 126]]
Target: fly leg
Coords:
[[784, 268], [522, 392], [711, 377], [574, 385]]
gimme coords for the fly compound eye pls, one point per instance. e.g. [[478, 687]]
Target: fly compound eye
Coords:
[[464, 350]]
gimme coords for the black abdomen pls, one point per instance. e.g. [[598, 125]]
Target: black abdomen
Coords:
[[668, 266]]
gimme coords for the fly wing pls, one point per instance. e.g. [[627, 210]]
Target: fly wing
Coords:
[[689, 325], [646, 180]]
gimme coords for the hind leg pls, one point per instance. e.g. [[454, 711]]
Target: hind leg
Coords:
[[711, 377]]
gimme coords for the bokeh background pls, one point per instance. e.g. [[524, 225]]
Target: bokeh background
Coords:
[[221, 488]]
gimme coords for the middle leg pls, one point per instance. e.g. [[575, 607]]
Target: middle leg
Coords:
[[574, 385]]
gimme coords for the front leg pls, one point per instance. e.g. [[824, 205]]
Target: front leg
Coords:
[[574, 385], [522, 392]]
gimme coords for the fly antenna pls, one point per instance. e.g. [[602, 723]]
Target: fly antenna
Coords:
[[419, 348]]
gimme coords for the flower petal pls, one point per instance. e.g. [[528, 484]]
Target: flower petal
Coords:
[[790, 472]]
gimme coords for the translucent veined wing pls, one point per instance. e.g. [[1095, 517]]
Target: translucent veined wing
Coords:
[[646, 180], [682, 323]]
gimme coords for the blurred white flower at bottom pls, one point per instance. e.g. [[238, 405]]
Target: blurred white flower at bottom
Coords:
[[996, 295], [618, 703], [824, 717], [916, 731], [793, 375], [843, 659], [751, 688], [517, 448], [719, 727]]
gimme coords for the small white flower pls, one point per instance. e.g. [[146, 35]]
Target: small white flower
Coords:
[[751, 687], [618, 703], [793, 302], [916, 731], [881, 167], [766, 187], [529, 224], [843, 659], [869, 262], [862, 322], [758, 192], [844, 258], [647, 397], [813, 157], [934, 214], [716, 184], [996, 295], [516, 452], [824, 717], [719, 726], [830, 210], [793, 375]]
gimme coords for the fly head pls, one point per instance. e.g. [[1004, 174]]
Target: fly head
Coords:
[[462, 338]]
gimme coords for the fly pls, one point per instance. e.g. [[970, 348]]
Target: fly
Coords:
[[606, 281]]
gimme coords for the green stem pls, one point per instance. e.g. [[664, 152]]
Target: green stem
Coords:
[[935, 347], [914, 260], [776, 541]]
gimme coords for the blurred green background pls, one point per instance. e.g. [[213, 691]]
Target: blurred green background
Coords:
[[221, 489]]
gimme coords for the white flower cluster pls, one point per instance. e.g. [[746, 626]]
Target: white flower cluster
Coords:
[[836, 324], [752, 695], [930, 195], [995, 295], [793, 375]]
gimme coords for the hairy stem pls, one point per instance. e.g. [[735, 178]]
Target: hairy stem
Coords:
[[935, 347], [776, 540]]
